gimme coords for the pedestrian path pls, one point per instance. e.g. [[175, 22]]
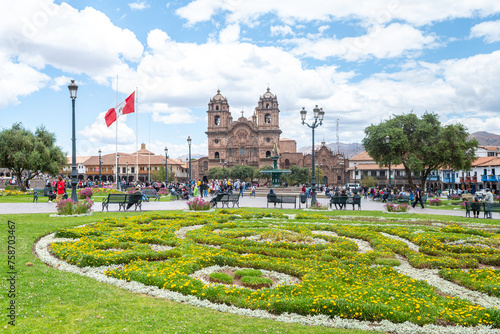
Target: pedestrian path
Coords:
[[245, 202]]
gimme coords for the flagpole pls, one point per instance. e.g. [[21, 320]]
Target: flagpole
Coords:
[[137, 135], [116, 139], [149, 151]]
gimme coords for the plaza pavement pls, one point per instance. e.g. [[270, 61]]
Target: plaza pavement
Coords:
[[245, 202]]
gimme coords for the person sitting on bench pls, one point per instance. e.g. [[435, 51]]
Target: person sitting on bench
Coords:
[[136, 192]]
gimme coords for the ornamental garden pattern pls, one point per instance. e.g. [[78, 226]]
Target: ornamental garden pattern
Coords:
[[336, 267]]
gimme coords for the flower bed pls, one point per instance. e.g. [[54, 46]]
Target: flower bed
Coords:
[[391, 207], [199, 204], [335, 280], [435, 202], [67, 207]]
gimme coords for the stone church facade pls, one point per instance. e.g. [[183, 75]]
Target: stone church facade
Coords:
[[250, 141]]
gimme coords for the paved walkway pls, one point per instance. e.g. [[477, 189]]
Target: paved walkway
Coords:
[[246, 201]]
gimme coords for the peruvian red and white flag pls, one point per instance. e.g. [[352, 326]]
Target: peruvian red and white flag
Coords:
[[126, 107]]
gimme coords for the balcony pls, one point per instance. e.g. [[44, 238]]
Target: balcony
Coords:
[[492, 178], [448, 179], [462, 179], [468, 179], [474, 179], [484, 178], [433, 178]]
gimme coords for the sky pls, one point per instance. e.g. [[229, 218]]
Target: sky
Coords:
[[361, 61]]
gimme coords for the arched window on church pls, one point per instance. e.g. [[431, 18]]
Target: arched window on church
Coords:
[[230, 152], [205, 164], [242, 151], [217, 120], [267, 105], [267, 118], [287, 163], [268, 154], [216, 107], [216, 155]]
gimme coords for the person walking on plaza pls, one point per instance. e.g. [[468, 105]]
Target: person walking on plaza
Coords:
[[60, 188], [418, 197], [488, 199]]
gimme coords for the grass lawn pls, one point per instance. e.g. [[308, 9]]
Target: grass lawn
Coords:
[[49, 300]]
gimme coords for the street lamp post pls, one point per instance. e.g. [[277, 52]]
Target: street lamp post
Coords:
[[387, 140], [166, 166], [100, 179], [117, 172], [73, 88], [189, 174], [319, 114]]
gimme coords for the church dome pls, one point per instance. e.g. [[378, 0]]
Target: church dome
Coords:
[[218, 97], [268, 94]]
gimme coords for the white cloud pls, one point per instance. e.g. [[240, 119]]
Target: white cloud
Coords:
[[138, 5], [60, 81], [368, 12], [395, 40], [42, 33], [490, 31], [230, 34], [281, 31], [18, 79]]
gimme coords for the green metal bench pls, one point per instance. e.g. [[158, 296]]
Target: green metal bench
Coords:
[[120, 199], [151, 193]]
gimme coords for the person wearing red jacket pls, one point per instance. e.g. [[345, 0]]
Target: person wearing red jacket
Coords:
[[60, 188]]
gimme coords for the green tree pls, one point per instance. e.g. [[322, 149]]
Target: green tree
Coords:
[[159, 175], [298, 175], [216, 173], [368, 181], [318, 175], [422, 145], [244, 173], [24, 152]]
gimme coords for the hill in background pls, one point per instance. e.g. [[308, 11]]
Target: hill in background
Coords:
[[486, 139]]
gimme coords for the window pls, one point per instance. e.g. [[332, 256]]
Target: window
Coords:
[[493, 171], [124, 170], [132, 170], [339, 178], [216, 155], [216, 141], [268, 154], [382, 173], [268, 139], [230, 152], [373, 173], [216, 107], [267, 118], [267, 105], [485, 171], [254, 151], [242, 151], [217, 120], [205, 164]]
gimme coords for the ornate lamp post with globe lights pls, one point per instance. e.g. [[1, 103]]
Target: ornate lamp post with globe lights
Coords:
[[73, 88], [319, 114]]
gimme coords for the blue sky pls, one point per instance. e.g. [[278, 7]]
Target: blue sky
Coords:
[[361, 61]]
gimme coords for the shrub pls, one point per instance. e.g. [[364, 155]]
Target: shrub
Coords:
[[163, 192], [198, 204], [68, 207], [318, 206], [85, 193], [391, 207], [455, 197], [435, 202], [256, 282], [221, 278], [248, 272]]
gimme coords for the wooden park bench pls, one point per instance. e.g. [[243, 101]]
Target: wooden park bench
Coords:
[[120, 199], [280, 199], [230, 198], [341, 201], [217, 199], [402, 199], [151, 193]]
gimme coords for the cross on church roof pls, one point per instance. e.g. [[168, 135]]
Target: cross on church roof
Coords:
[[242, 113]]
